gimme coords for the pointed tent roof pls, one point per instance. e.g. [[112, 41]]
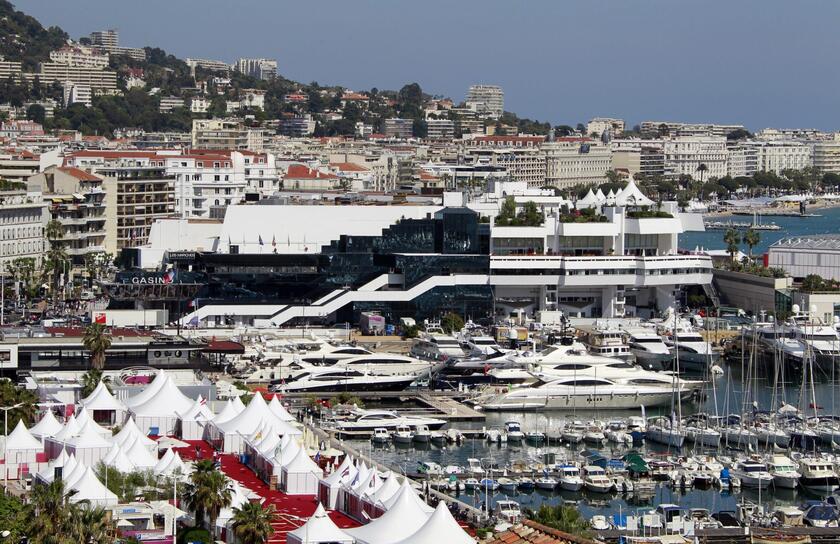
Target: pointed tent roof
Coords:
[[631, 195], [71, 428], [89, 488], [268, 444], [589, 200], [71, 477], [227, 413], [48, 426], [440, 527], [175, 464], [408, 489], [369, 484], [148, 392], [198, 411], [84, 420], [611, 194], [320, 528], [404, 517], [89, 438], [303, 463], [167, 401], [279, 410], [140, 456], [21, 439], [600, 195], [238, 404], [286, 454], [117, 459], [390, 487], [250, 419], [48, 472], [345, 472], [165, 460], [102, 399], [131, 432]]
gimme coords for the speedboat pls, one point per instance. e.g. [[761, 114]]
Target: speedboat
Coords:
[[595, 480], [821, 514], [525, 484], [594, 435], [403, 435], [368, 420], [535, 437], [478, 346], [753, 474], [785, 475], [650, 350], [546, 483], [513, 430], [617, 433], [818, 475], [570, 479], [340, 379], [573, 433], [508, 511], [507, 485], [488, 484], [421, 434], [599, 523], [439, 438], [607, 340]]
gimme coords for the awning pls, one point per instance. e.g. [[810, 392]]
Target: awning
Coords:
[[223, 346]]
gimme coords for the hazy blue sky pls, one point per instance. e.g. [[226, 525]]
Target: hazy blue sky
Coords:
[[757, 62]]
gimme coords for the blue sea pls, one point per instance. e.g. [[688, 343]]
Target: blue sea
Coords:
[[828, 223]]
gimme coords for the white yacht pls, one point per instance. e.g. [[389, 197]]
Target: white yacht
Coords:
[[607, 340], [752, 474], [660, 429], [818, 475], [403, 434], [421, 434], [693, 353], [320, 379], [480, 346], [774, 340], [583, 392], [822, 339], [650, 350], [389, 364], [438, 347], [785, 475], [514, 433], [368, 420], [595, 480], [619, 371], [570, 479]]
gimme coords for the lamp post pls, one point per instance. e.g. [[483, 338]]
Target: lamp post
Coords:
[[5, 446]]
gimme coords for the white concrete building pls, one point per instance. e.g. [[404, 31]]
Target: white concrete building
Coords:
[[742, 159], [599, 125], [199, 104], [826, 156], [23, 216], [804, 255], [440, 129], [75, 93], [775, 156], [81, 56], [574, 161], [684, 155], [486, 99], [258, 68]]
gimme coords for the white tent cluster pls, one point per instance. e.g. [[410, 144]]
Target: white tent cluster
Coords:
[[232, 428], [79, 479], [631, 195]]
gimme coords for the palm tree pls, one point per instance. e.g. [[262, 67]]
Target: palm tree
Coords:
[[24, 399], [732, 239], [219, 495], [97, 341], [48, 513], [56, 258], [90, 380], [208, 492], [252, 523], [90, 525], [752, 238], [702, 168]]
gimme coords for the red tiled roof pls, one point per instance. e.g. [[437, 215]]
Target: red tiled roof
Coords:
[[79, 174], [349, 167], [534, 139], [117, 154], [535, 533], [354, 96], [301, 171]]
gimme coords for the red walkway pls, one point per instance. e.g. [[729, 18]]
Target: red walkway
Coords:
[[292, 510]]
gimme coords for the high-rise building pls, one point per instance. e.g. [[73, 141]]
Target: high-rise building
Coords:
[[401, 129], [701, 157], [599, 125], [226, 134], [440, 129], [487, 99], [106, 39], [826, 156], [258, 68]]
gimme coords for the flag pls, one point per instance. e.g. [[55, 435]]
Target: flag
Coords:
[[193, 322], [100, 319], [203, 401], [273, 240], [317, 456], [260, 238], [169, 276]]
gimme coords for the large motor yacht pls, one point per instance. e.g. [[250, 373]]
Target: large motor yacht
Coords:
[[368, 420], [650, 350]]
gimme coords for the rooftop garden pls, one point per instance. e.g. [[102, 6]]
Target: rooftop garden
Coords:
[[528, 216], [646, 213], [586, 215], [813, 283]]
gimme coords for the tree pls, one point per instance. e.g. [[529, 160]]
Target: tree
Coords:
[[97, 341], [90, 380], [11, 395], [812, 282], [732, 239], [252, 523], [49, 513], [56, 258], [36, 113], [702, 168], [752, 238], [208, 492], [563, 518], [451, 322]]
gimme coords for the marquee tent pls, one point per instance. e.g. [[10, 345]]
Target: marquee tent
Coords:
[[192, 423], [89, 488], [328, 488], [158, 414], [632, 196], [104, 406], [440, 527], [148, 392], [117, 459], [300, 475], [404, 517], [319, 529], [229, 436], [88, 446], [84, 420], [130, 432], [140, 456], [48, 426], [23, 452]]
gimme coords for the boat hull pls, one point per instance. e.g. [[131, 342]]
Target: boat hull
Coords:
[[629, 401]]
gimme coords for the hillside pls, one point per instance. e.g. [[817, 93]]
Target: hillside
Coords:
[[23, 38]]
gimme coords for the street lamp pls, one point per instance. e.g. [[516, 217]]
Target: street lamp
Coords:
[[5, 445]]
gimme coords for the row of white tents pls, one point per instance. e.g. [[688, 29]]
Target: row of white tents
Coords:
[[631, 195]]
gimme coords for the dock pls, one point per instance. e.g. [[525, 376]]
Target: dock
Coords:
[[740, 535]]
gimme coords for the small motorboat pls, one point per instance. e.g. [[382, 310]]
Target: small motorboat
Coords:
[[471, 484], [488, 484], [507, 485], [595, 480], [380, 436], [513, 430], [570, 479], [535, 437], [439, 438], [599, 523], [546, 483], [402, 435], [525, 484], [421, 434]]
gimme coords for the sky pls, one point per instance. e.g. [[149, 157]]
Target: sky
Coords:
[[760, 63]]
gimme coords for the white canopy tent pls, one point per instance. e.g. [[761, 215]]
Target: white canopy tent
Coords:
[[131, 432], [228, 412], [47, 473], [104, 406], [117, 459], [72, 475], [404, 517], [89, 488], [170, 464], [229, 436], [148, 392], [631, 195], [85, 421], [600, 196], [300, 475], [278, 409], [139, 456], [192, 423], [54, 444], [589, 201], [439, 528], [88, 446], [48, 426], [285, 456], [320, 529], [328, 488], [158, 415], [238, 404], [23, 453]]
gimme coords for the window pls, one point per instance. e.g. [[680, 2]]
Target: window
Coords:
[[216, 178]]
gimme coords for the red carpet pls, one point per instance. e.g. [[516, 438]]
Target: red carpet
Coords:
[[292, 510]]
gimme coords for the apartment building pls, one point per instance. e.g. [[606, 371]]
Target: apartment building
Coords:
[[742, 159], [74, 93], [80, 56], [199, 104], [576, 161], [259, 68], [653, 129], [18, 164], [826, 156], [109, 41], [23, 216], [400, 129], [56, 72], [207, 64], [10, 70], [520, 156], [487, 100], [684, 156], [297, 127], [138, 191], [169, 103], [776, 156], [76, 199], [226, 134], [600, 125], [440, 129]]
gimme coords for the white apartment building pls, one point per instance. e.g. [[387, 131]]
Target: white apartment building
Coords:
[[75, 93], [199, 104], [10, 69], [208, 64], [258, 68], [81, 56], [401, 129], [23, 216], [742, 159], [576, 161], [486, 99], [684, 155], [96, 79], [599, 125], [226, 134], [440, 129], [520, 156], [169, 103], [107, 39], [778, 155], [826, 156], [652, 129]]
